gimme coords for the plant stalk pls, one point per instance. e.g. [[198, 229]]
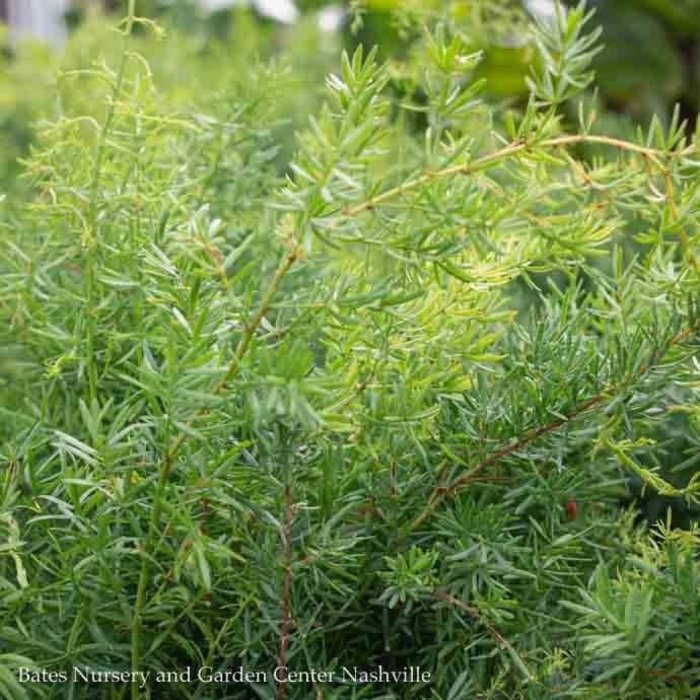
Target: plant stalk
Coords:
[[92, 237], [171, 453], [491, 159]]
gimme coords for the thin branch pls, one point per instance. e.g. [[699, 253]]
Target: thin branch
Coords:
[[286, 625], [92, 238], [265, 302], [599, 399], [476, 615], [243, 345], [171, 452], [473, 612], [514, 148]]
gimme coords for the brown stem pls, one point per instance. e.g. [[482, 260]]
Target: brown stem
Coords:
[[475, 614], [286, 625], [173, 449], [443, 490], [511, 149]]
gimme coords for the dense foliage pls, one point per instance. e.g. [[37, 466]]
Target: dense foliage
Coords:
[[374, 398]]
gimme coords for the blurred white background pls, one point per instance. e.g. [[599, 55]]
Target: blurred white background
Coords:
[[44, 18], [40, 18]]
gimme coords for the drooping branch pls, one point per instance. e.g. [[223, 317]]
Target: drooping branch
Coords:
[[491, 159], [587, 406]]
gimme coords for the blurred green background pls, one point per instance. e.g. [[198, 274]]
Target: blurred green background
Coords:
[[649, 63], [650, 60]]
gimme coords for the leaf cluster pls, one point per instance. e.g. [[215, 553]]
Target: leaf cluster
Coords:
[[378, 403]]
